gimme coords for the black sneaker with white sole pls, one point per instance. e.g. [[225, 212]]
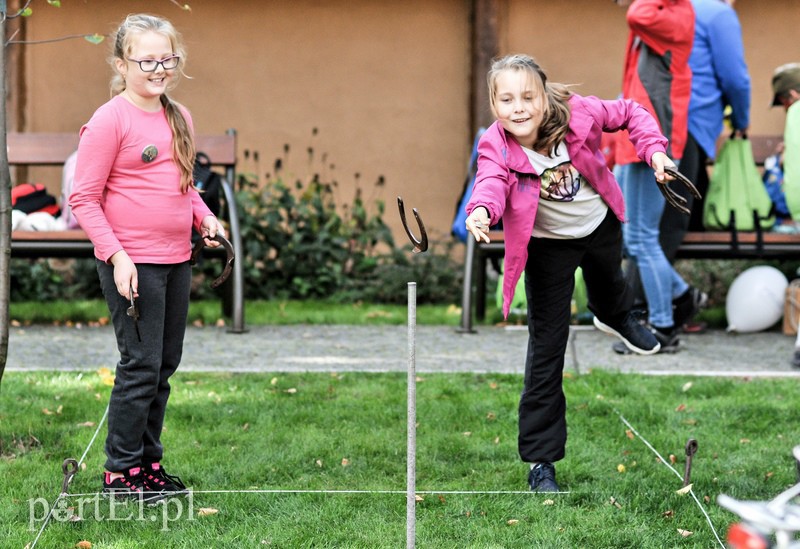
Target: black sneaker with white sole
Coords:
[[635, 336], [686, 307]]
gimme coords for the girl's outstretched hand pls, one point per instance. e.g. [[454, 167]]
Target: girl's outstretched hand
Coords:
[[658, 162], [478, 224]]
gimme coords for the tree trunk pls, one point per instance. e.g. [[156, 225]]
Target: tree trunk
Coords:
[[5, 203]]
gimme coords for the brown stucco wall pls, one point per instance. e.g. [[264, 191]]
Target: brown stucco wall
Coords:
[[386, 83]]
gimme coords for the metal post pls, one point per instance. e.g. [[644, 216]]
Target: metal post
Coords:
[[411, 443]]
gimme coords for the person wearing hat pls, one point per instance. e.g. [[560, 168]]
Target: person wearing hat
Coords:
[[785, 93]]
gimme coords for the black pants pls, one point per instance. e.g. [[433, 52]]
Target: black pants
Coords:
[[141, 386], [549, 284]]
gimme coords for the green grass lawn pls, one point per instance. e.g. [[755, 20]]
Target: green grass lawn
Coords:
[[347, 431]]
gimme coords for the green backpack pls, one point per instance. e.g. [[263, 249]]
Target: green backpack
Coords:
[[736, 197]]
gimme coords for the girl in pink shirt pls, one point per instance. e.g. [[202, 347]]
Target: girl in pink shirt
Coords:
[[134, 196]]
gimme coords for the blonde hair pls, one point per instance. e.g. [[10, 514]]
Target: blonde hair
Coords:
[[183, 146], [555, 120]]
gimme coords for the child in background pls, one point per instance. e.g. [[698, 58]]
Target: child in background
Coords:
[[541, 169], [134, 196]]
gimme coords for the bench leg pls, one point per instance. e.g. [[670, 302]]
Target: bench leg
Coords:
[[466, 296]]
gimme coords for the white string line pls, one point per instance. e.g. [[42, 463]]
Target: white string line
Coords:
[[63, 493], [671, 468], [298, 491]]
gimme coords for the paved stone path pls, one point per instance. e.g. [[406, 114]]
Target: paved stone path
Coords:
[[386, 348]]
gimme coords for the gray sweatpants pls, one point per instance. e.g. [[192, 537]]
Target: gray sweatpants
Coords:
[[141, 386]]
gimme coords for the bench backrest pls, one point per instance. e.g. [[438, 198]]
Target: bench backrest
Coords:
[[51, 149]]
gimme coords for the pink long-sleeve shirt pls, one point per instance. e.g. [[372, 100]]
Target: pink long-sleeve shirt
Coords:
[[126, 203]]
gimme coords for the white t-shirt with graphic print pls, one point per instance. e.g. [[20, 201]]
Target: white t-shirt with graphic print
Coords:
[[568, 206]]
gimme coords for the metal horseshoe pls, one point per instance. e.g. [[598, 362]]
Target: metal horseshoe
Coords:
[[226, 272], [674, 199], [420, 245], [69, 468]]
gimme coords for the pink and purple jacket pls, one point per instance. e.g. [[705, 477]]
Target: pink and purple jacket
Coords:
[[508, 188], [126, 203]]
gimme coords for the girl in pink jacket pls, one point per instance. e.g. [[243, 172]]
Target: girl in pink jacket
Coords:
[[542, 171]]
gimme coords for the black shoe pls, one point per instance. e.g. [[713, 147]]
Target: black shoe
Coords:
[[542, 478], [667, 338], [131, 485], [633, 334], [686, 307], [669, 344], [795, 362], [157, 480]]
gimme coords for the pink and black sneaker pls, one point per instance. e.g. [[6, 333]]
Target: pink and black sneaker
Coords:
[[156, 479], [132, 485]]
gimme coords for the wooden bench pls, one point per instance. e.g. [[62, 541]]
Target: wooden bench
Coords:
[[53, 149], [731, 244]]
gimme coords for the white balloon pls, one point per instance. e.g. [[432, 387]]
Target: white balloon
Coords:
[[755, 299]]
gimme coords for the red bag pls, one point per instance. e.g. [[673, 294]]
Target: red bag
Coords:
[[33, 197]]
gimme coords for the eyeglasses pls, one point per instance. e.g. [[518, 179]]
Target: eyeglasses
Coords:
[[150, 65]]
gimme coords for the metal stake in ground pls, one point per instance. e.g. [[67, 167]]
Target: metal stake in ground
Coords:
[[420, 245], [411, 444]]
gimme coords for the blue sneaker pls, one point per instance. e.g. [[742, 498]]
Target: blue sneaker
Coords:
[[542, 478], [632, 333]]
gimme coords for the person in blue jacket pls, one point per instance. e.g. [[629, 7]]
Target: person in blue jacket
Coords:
[[720, 80]]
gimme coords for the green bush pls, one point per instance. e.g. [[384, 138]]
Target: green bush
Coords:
[[299, 242]]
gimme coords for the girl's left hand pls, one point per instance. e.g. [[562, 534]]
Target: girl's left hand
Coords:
[[209, 228], [658, 162]]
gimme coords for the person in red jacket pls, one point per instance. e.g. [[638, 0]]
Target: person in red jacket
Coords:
[[656, 75]]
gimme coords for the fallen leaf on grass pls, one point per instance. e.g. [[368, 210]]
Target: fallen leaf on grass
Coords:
[[418, 498], [673, 459], [467, 433], [629, 434], [497, 440], [273, 381], [493, 385], [512, 522], [685, 533], [620, 468], [318, 463], [613, 501], [345, 462], [668, 514], [685, 490], [744, 441], [291, 391], [680, 408], [86, 424], [768, 475], [686, 386], [548, 502], [441, 499], [206, 511]]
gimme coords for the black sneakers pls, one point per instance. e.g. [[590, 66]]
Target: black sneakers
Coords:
[[686, 307], [157, 480], [131, 485], [667, 339], [542, 478], [633, 334]]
